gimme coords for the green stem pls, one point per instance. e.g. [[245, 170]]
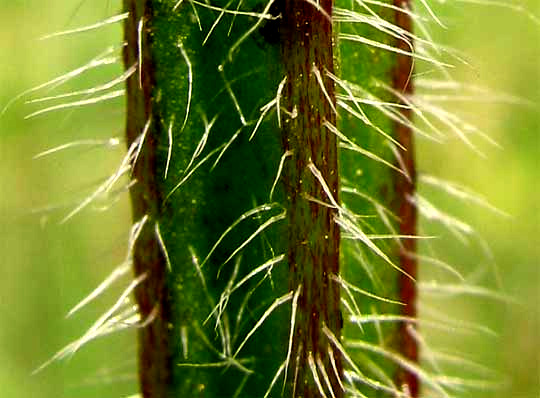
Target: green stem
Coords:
[[374, 189], [200, 343]]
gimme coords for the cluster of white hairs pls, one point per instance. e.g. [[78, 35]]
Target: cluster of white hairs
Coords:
[[433, 121]]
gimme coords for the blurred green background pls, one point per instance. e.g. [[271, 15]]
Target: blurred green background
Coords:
[[47, 267]]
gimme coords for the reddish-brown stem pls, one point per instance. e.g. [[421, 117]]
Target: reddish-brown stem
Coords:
[[314, 237], [405, 189], [154, 339]]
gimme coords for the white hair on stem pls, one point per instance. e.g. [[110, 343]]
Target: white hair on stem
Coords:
[[169, 147], [297, 368], [120, 79], [184, 339], [226, 146], [227, 360], [268, 265], [278, 302], [190, 82], [425, 259], [219, 309], [294, 308], [284, 157], [234, 17], [90, 101], [319, 78], [274, 379], [230, 91], [315, 374], [118, 272], [241, 385], [102, 189], [106, 143], [97, 25], [216, 22], [104, 325], [220, 323], [195, 12], [348, 307], [460, 192], [397, 50], [334, 367], [140, 142], [202, 142], [452, 325], [259, 230], [261, 17], [317, 5], [193, 170], [423, 347], [354, 288], [375, 369], [456, 226], [102, 59], [408, 101], [452, 290], [348, 87], [325, 376], [264, 111], [162, 246], [278, 99], [250, 213], [355, 370]]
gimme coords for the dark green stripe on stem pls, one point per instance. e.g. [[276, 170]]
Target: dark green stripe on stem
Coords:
[[198, 95]]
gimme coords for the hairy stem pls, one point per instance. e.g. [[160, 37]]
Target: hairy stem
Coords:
[[406, 188], [211, 219], [253, 160], [312, 186], [154, 340]]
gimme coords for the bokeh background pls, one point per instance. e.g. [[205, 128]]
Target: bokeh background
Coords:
[[47, 267]]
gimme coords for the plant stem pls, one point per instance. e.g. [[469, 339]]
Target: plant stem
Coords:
[[312, 181], [245, 174], [406, 189], [371, 188], [155, 359], [212, 201]]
